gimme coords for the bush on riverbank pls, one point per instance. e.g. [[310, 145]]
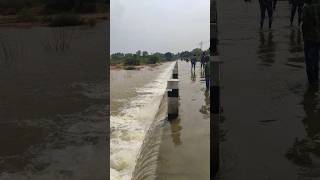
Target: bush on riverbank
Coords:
[[53, 12], [66, 20], [12, 7], [139, 58], [131, 61], [153, 60], [25, 15]]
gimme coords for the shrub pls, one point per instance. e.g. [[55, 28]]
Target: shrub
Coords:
[[153, 60], [25, 15], [80, 6], [129, 68], [85, 7], [91, 21], [52, 6], [66, 20], [131, 61], [8, 7]]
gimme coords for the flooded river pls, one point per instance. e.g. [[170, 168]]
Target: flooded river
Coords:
[[53, 103], [136, 96]]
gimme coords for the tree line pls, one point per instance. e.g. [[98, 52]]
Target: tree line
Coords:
[[13, 7], [143, 57]]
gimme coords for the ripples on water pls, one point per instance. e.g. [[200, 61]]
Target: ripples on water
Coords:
[[54, 103]]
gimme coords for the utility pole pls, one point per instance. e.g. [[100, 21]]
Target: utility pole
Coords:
[[201, 44]]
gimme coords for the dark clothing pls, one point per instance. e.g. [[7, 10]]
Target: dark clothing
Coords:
[[311, 36], [202, 65], [311, 22], [269, 6], [296, 4], [207, 82], [202, 61], [296, 1], [193, 63], [311, 50], [207, 74]]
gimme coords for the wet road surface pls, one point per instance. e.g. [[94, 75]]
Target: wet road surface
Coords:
[[185, 147], [271, 121]]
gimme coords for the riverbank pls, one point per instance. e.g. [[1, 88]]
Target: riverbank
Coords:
[[133, 67], [52, 20]]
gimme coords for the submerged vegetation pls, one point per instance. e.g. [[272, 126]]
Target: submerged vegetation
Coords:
[[53, 12]]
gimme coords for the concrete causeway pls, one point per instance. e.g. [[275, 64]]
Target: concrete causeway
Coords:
[[185, 146]]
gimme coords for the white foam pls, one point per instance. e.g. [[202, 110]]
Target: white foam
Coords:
[[128, 129]]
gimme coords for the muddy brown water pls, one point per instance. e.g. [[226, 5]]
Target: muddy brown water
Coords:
[[53, 103], [136, 96]]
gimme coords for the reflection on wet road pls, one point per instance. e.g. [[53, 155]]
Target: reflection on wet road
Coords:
[[176, 129], [267, 48], [305, 151], [271, 126]]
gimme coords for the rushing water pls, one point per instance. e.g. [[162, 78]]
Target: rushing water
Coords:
[[53, 108], [135, 100]]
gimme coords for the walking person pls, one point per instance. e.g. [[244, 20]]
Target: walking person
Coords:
[[207, 71], [202, 60], [296, 5], [311, 37], [193, 62], [269, 6]]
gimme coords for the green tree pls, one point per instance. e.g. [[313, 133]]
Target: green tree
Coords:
[[153, 59], [196, 51], [117, 56], [168, 56], [131, 61], [145, 53], [138, 53]]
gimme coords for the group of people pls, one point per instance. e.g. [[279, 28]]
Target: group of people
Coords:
[[309, 16], [204, 65], [269, 6]]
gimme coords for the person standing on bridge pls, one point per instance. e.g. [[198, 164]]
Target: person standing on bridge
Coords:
[[296, 4], [202, 60], [269, 6], [207, 71], [193, 62], [311, 37]]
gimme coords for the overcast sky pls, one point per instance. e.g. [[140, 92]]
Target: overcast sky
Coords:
[[159, 25]]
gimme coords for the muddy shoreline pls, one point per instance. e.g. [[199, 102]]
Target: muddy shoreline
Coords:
[[123, 67]]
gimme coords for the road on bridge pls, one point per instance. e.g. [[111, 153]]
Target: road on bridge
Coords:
[[271, 124]]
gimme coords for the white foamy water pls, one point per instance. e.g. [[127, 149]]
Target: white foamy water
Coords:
[[129, 127]]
